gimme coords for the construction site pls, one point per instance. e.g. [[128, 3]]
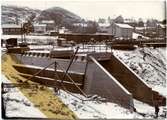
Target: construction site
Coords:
[[86, 70]]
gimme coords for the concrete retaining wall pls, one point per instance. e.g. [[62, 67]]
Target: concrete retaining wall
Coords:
[[77, 66], [53, 83], [99, 81], [129, 79], [49, 73], [109, 78]]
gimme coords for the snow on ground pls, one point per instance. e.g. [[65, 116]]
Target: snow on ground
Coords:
[[32, 38], [136, 36], [28, 37], [45, 47], [148, 63], [94, 109], [106, 110], [17, 105], [147, 111]]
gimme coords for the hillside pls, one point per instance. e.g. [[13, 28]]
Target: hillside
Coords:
[[61, 16], [14, 14]]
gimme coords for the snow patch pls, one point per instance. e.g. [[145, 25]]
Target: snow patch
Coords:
[[93, 109], [17, 105]]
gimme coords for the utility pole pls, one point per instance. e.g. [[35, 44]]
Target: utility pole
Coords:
[[56, 76], [21, 32]]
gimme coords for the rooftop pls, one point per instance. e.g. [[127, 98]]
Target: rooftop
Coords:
[[104, 24], [124, 26], [161, 25], [140, 28], [11, 26], [40, 25], [80, 24], [48, 22]]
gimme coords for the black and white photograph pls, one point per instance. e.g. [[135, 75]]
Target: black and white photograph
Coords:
[[83, 59]]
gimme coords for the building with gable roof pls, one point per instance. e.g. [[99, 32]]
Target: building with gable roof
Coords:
[[121, 30]]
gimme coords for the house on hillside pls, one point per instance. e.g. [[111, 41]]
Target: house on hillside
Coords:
[[121, 30], [151, 23], [161, 30], [40, 28], [50, 24], [103, 27], [140, 30], [7, 20], [119, 19], [64, 30], [130, 22], [80, 24], [11, 29], [79, 27]]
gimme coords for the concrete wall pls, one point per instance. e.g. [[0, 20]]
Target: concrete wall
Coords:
[[101, 82], [129, 79], [49, 73], [77, 66]]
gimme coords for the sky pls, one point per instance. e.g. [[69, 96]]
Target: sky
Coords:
[[94, 9]]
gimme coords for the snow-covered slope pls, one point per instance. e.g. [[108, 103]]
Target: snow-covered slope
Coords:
[[17, 105], [106, 110], [94, 109], [14, 14], [148, 63]]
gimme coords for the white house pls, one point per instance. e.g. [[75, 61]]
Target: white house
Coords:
[[11, 29], [140, 29], [47, 22], [103, 27], [63, 30], [80, 24], [39, 28], [50, 24], [121, 30]]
